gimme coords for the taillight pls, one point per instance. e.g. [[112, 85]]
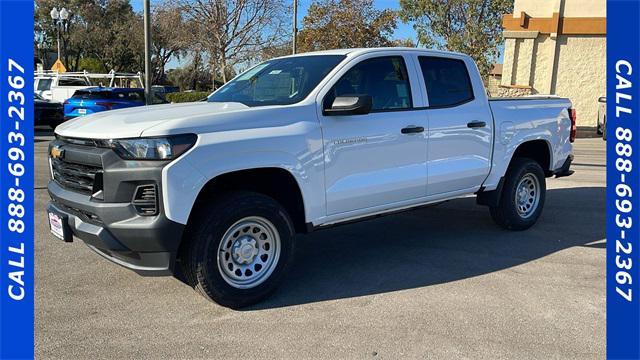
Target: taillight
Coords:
[[574, 127], [107, 105]]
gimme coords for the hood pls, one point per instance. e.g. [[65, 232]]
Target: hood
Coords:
[[132, 122]]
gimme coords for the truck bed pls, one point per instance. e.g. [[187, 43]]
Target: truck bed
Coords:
[[530, 97]]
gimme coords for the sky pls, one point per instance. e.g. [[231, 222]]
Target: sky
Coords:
[[403, 31]]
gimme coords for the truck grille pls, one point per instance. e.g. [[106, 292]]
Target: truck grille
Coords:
[[74, 176]]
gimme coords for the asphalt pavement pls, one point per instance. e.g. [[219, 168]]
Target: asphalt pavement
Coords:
[[442, 282]]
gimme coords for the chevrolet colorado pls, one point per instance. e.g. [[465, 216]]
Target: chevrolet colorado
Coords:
[[215, 191]]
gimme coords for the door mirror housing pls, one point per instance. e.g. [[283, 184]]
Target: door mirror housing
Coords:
[[349, 105]]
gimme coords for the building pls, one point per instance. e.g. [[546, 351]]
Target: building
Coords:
[[494, 79], [557, 47]]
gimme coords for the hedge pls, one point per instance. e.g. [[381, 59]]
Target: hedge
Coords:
[[180, 97]]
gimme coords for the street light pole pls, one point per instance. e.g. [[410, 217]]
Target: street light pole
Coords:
[[59, 52], [60, 19], [295, 26], [55, 16], [147, 53]]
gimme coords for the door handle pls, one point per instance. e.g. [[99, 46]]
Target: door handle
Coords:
[[476, 124], [412, 129]]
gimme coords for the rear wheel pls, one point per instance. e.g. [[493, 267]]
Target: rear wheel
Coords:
[[238, 249], [523, 196]]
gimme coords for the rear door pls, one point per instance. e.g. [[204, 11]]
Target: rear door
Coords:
[[460, 125], [370, 161]]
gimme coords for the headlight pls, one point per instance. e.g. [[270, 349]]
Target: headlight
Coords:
[[161, 148]]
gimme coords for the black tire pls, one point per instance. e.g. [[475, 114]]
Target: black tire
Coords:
[[200, 258], [506, 214]]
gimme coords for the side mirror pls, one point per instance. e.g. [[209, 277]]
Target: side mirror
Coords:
[[602, 99], [349, 105]]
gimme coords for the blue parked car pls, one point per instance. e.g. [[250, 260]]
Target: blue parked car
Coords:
[[95, 99]]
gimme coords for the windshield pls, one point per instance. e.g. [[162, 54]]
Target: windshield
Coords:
[[278, 82]]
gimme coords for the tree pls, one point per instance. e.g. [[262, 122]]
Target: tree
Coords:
[[105, 30], [170, 38], [334, 24], [44, 25], [235, 31], [190, 78], [276, 50], [472, 27]]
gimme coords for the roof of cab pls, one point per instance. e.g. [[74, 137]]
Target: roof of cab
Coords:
[[360, 51]]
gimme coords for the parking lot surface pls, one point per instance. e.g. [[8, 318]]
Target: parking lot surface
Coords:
[[441, 282]]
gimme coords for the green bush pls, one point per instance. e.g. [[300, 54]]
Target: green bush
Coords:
[[180, 97]]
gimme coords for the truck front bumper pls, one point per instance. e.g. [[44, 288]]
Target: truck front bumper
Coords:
[[146, 245], [111, 221]]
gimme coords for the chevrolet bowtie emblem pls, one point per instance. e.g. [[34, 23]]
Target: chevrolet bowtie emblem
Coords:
[[57, 152]]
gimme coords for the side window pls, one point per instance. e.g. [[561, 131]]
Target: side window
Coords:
[[385, 79], [447, 81], [44, 84], [71, 82]]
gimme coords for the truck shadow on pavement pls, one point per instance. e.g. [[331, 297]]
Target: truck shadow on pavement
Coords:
[[434, 245]]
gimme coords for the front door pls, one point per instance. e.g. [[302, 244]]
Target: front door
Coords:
[[370, 161]]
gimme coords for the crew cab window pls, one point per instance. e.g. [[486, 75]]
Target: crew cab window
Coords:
[[385, 79], [447, 81], [278, 82]]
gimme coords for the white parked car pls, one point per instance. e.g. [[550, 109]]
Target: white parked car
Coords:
[[218, 189]]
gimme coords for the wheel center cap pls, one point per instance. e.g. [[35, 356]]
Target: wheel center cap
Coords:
[[522, 195], [245, 250]]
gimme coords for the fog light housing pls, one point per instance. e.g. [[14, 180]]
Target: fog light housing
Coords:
[[145, 200]]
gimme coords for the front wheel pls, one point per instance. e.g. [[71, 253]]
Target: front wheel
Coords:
[[238, 249], [523, 196]]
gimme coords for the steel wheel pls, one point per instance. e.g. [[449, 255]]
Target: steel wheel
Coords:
[[527, 195], [249, 252]]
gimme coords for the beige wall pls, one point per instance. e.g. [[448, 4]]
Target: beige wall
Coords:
[[493, 83], [571, 66], [568, 8], [581, 74]]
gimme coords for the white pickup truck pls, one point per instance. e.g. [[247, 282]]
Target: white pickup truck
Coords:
[[59, 87], [215, 191]]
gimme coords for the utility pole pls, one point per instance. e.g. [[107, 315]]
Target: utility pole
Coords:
[[295, 25], [147, 53]]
